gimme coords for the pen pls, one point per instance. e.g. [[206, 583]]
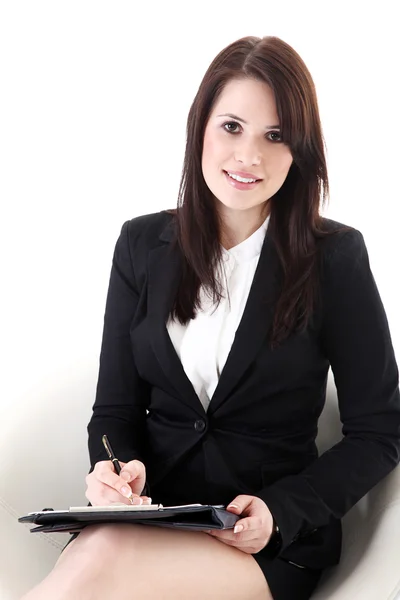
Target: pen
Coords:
[[113, 459]]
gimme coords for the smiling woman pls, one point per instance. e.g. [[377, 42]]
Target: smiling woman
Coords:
[[222, 319], [253, 120], [245, 143]]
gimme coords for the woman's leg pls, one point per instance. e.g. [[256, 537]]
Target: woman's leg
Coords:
[[132, 562]]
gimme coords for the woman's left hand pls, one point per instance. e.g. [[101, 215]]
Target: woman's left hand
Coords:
[[255, 528]]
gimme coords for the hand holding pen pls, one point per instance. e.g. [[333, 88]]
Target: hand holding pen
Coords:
[[126, 474], [110, 479]]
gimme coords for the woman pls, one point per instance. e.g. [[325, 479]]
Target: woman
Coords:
[[222, 320]]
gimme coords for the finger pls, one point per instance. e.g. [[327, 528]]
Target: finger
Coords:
[[234, 507], [129, 482], [134, 472], [97, 488], [240, 503], [221, 534], [248, 524], [134, 467], [237, 543], [99, 494], [245, 545], [104, 472]]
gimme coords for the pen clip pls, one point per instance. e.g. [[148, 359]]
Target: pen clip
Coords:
[[108, 448]]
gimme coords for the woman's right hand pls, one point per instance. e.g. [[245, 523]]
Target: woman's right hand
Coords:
[[104, 486]]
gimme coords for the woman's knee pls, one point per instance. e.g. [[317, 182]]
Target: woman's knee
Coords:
[[95, 544]]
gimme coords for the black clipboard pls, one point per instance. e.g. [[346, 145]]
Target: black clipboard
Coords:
[[193, 517]]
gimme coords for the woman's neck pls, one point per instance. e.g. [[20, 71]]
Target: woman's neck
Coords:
[[238, 226]]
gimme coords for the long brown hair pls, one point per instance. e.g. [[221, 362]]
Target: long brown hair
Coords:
[[295, 224]]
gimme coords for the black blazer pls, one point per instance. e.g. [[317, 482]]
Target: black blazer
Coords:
[[258, 435]]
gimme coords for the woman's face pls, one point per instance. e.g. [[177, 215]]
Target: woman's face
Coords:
[[252, 147]]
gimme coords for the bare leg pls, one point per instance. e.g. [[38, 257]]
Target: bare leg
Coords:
[[132, 562], [74, 575]]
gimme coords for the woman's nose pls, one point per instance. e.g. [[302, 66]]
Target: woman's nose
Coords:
[[248, 154]]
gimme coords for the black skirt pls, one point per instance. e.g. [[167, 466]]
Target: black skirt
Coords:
[[286, 581]]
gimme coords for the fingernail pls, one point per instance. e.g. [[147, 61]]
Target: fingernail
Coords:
[[233, 506], [238, 528], [126, 491], [125, 475], [149, 501], [137, 500]]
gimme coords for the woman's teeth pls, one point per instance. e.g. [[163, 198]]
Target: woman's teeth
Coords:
[[242, 179]]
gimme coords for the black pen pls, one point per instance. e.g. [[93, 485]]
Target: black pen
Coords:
[[114, 460]]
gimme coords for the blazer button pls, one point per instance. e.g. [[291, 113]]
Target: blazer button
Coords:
[[199, 425]]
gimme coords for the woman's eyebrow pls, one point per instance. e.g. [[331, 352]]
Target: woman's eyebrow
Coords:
[[245, 122]]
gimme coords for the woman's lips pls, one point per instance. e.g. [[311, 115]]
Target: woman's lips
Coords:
[[239, 185]]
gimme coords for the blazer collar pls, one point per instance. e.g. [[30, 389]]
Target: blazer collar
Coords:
[[165, 268]]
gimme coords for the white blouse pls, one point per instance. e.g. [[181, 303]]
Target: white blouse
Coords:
[[204, 343]]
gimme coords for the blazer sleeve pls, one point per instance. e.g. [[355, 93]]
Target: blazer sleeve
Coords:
[[357, 342], [122, 396]]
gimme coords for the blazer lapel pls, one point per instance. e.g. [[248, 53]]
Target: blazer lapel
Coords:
[[254, 325], [163, 279], [164, 271]]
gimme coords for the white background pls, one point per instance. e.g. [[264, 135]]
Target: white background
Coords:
[[93, 107]]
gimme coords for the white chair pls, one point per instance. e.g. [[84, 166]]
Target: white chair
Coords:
[[44, 460]]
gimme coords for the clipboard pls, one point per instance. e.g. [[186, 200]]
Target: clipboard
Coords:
[[193, 517]]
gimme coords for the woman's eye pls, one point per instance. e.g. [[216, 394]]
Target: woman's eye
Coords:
[[230, 123], [268, 134], [275, 133]]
